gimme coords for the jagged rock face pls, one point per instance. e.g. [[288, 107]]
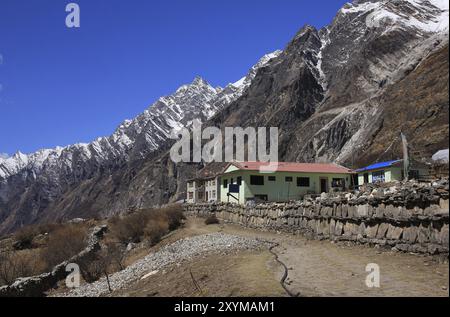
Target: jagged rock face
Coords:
[[418, 105], [373, 43], [324, 91], [284, 93], [369, 48], [342, 94]]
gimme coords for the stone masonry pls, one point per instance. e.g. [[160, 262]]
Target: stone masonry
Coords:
[[409, 217]]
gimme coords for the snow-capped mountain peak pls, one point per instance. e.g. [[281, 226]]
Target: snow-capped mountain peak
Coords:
[[245, 81], [337, 94], [141, 135], [428, 16]]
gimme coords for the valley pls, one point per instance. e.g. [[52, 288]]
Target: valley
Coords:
[[340, 94]]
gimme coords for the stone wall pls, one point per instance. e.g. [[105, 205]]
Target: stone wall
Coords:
[[36, 286], [409, 217]]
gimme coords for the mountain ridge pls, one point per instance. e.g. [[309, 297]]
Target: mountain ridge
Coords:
[[204, 100], [332, 92]]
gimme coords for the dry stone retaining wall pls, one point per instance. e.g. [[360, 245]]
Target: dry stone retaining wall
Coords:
[[410, 217]]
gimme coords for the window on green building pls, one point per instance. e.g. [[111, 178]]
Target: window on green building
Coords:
[[289, 179], [272, 178], [256, 180], [262, 198], [378, 177], [225, 183], [303, 182], [338, 182]]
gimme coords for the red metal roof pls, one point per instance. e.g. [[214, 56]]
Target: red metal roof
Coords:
[[296, 167]]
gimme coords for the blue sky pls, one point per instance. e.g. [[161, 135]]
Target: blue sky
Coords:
[[60, 86]]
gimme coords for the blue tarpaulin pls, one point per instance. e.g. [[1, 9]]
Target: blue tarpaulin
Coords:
[[377, 166]]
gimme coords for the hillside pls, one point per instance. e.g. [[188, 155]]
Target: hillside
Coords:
[[341, 94]]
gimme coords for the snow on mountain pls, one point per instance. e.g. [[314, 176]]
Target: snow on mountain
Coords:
[[420, 22], [336, 94], [369, 46], [424, 15], [19, 161], [144, 134], [233, 91], [244, 82], [199, 100]]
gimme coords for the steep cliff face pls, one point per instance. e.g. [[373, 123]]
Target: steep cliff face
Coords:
[[417, 105], [327, 92], [369, 48], [342, 93]]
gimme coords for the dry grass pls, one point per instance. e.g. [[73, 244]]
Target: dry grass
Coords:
[[36, 249], [243, 274], [146, 225], [64, 243], [15, 264], [25, 238]]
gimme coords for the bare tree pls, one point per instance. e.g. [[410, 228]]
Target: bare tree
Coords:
[[117, 254], [93, 268], [16, 264]]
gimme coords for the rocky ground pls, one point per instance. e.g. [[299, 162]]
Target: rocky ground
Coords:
[[229, 261], [177, 253]]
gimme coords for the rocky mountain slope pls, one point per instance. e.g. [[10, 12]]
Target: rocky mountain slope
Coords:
[[28, 183], [325, 91], [140, 136], [342, 93]]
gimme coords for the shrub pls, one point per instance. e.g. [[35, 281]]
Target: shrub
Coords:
[[48, 227], [18, 264], [117, 254], [211, 220], [174, 216], [156, 229], [24, 237], [92, 268], [149, 224], [130, 228], [64, 243], [96, 266]]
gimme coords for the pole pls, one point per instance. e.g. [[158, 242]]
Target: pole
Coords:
[[405, 157]]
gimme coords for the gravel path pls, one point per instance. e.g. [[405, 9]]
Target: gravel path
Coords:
[[182, 250]]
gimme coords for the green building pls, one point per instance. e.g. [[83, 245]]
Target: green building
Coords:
[[246, 181], [391, 171]]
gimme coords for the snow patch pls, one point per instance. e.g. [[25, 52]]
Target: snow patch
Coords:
[[239, 83], [425, 18], [441, 156]]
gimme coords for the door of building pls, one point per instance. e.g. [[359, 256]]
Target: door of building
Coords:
[[366, 178], [324, 185]]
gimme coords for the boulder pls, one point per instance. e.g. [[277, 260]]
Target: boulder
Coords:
[[371, 231]]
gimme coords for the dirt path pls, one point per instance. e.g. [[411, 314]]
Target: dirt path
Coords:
[[316, 268]]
